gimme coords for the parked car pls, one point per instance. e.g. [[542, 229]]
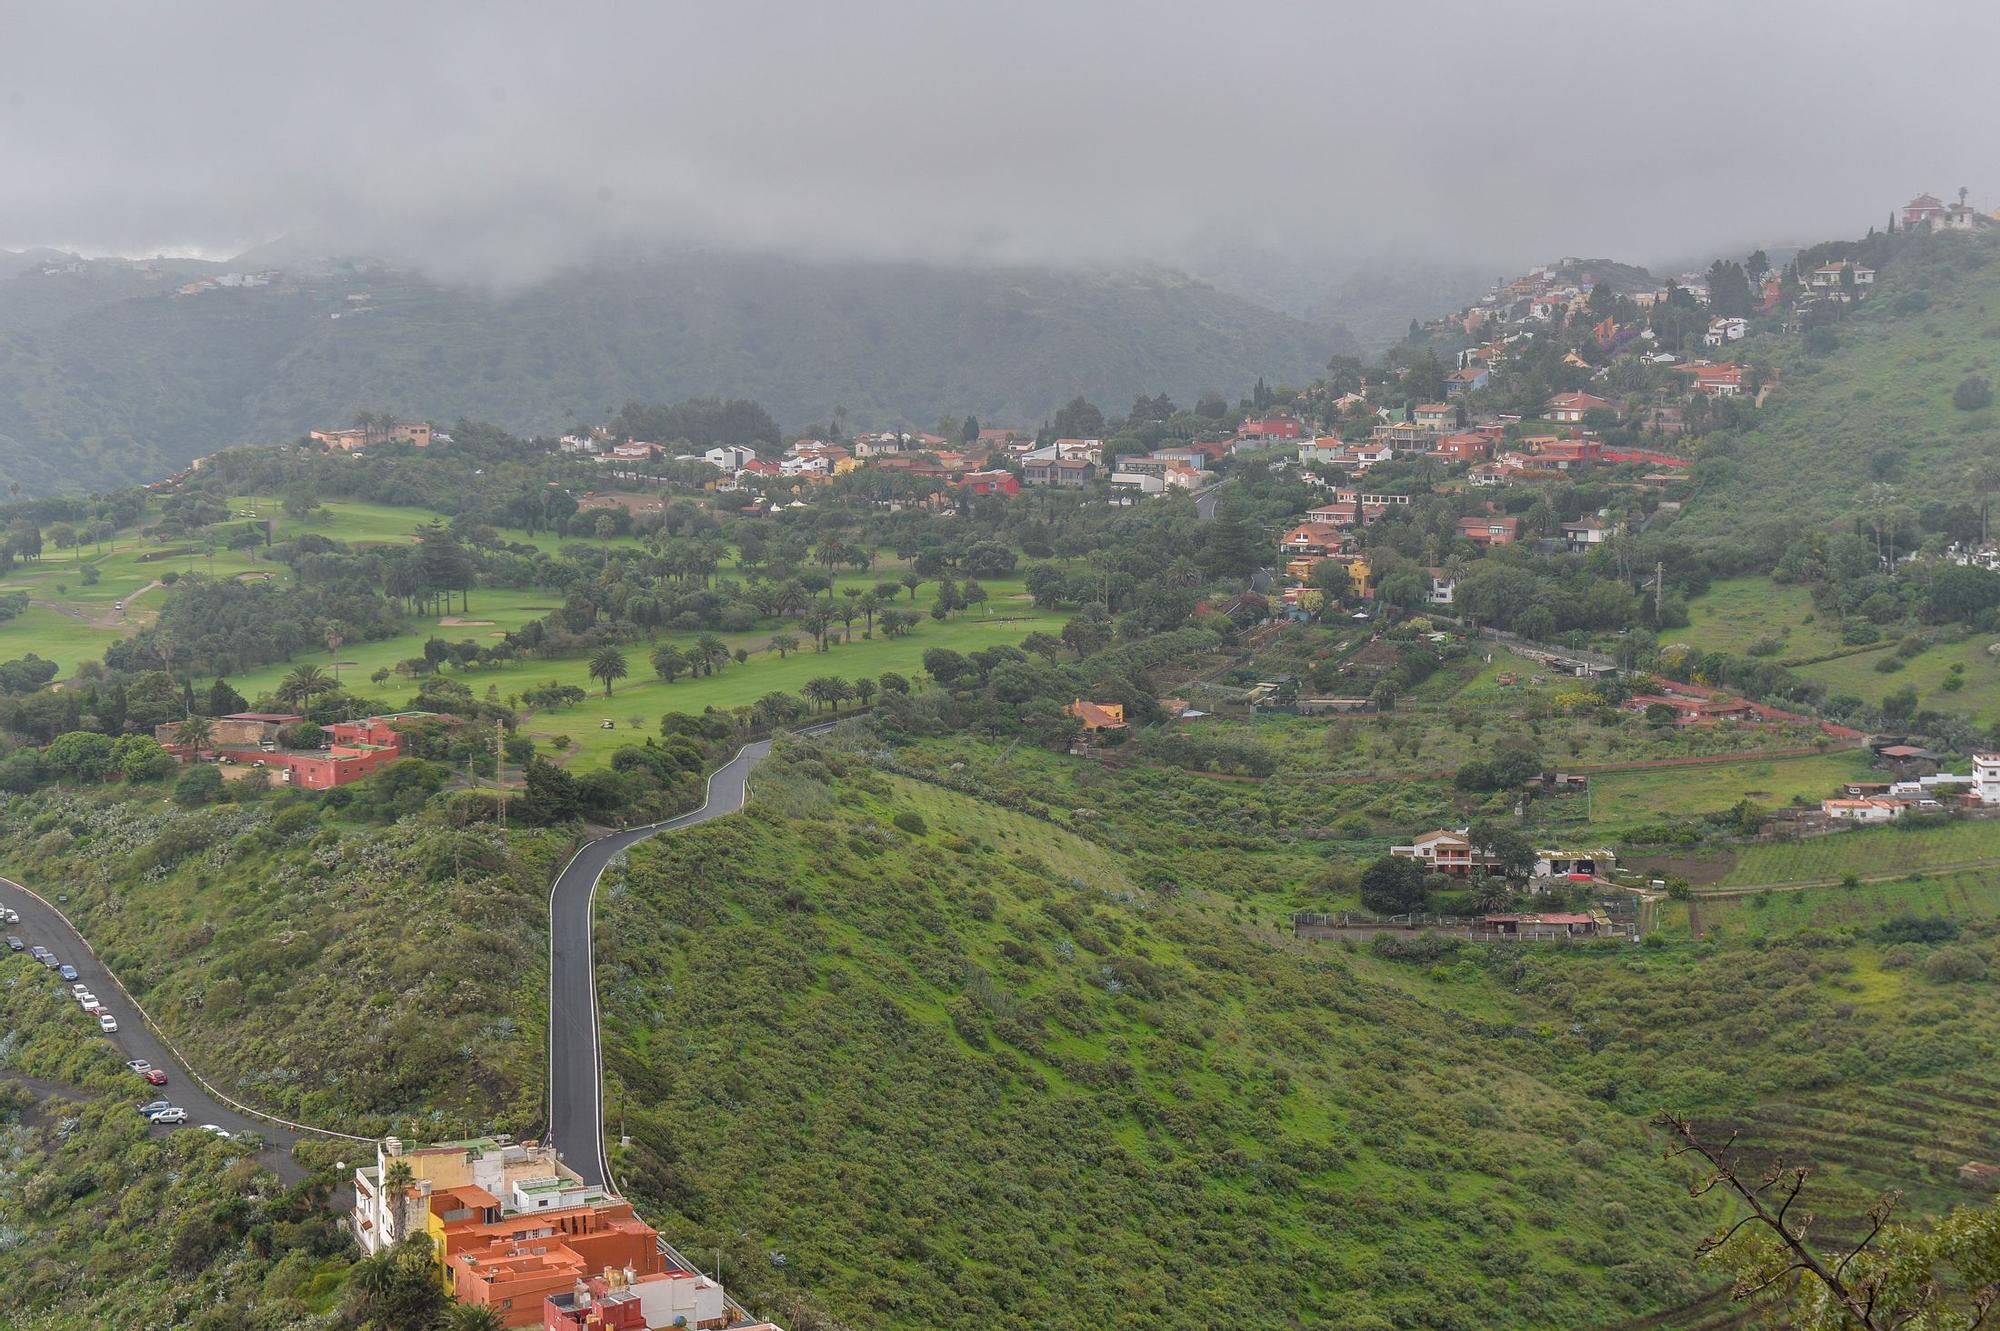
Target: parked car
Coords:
[[95, 1008], [106, 1022], [79, 988], [168, 1117], [219, 1131], [38, 952], [154, 1077], [153, 1107], [49, 959], [10, 915], [14, 944], [67, 972], [139, 1065]]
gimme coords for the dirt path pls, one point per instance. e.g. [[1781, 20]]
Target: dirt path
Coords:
[[107, 618]]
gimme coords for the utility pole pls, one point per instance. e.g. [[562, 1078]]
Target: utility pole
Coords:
[[1659, 587], [499, 768]]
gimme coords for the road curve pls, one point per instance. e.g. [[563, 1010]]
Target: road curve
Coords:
[[42, 924], [576, 1070]]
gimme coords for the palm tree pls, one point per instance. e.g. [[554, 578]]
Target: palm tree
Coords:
[[303, 684], [472, 1317], [197, 732], [607, 665]]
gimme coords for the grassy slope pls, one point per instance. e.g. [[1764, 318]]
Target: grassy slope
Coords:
[[955, 1075], [1888, 387], [353, 976], [109, 1224], [950, 1074]]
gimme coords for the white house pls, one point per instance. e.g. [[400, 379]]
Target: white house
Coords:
[[731, 458], [1863, 810], [1444, 588], [1725, 330]]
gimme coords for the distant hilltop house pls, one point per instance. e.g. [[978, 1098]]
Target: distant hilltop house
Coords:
[[353, 439], [1928, 209]]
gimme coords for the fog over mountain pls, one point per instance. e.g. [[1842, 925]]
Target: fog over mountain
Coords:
[[496, 143]]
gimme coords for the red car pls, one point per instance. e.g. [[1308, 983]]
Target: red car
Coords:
[[155, 1077]]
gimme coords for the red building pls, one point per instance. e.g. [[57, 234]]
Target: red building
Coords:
[[356, 749], [593, 1304], [999, 482], [1269, 427]]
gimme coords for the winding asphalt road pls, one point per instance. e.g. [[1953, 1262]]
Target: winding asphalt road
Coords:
[[576, 1069], [42, 925]]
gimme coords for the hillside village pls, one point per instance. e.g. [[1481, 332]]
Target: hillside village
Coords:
[[1417, 656]]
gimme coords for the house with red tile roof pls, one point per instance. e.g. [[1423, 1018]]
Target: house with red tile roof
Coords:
[[1573, 407]]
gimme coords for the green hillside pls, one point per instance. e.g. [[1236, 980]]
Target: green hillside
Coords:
[[131, 387], [1875, 409]]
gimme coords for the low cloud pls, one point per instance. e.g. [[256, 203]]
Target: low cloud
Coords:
[[497, 141]]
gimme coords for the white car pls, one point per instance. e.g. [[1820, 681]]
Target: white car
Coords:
[[10, 915], [169, 1116], [221, 1132], [79, 988], [85, 997], [107, 1023], [139, 1065], [98, 1010]]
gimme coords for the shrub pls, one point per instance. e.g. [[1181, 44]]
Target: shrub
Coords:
[[200, 784], [1952, 965], [1424, 947], [1908, 928], [1973, 393], [912, 822]]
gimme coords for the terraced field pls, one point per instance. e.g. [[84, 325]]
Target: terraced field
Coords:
[[1873, 851]]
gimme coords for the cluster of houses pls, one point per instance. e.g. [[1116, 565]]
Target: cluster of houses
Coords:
[[1917, 786], [999, 461], [513, 1229]]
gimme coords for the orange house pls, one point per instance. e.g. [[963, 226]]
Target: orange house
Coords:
[[1098, 715]]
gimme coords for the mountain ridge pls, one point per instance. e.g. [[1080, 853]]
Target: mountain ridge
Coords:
[[99, 385]]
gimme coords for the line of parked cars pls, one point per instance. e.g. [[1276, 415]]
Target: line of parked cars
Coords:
[[158, 1111]]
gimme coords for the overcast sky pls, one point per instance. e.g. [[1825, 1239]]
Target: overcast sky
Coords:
[[496, 140]]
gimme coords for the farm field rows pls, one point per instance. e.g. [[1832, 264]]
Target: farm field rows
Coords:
[[1958, 896], [1868, 851]]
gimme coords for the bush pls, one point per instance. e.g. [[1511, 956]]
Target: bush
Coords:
[[200, 784], [1908, 928], [1953, 965], [1973, 393], [1419, 947], [909, 820]]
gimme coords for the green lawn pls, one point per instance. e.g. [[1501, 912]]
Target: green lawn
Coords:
[[1737, 612], [645, 697], [1979, 696], [1624, 798]]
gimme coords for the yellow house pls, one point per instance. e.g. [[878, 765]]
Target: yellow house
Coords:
[[1362, 577], [842, 466]]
